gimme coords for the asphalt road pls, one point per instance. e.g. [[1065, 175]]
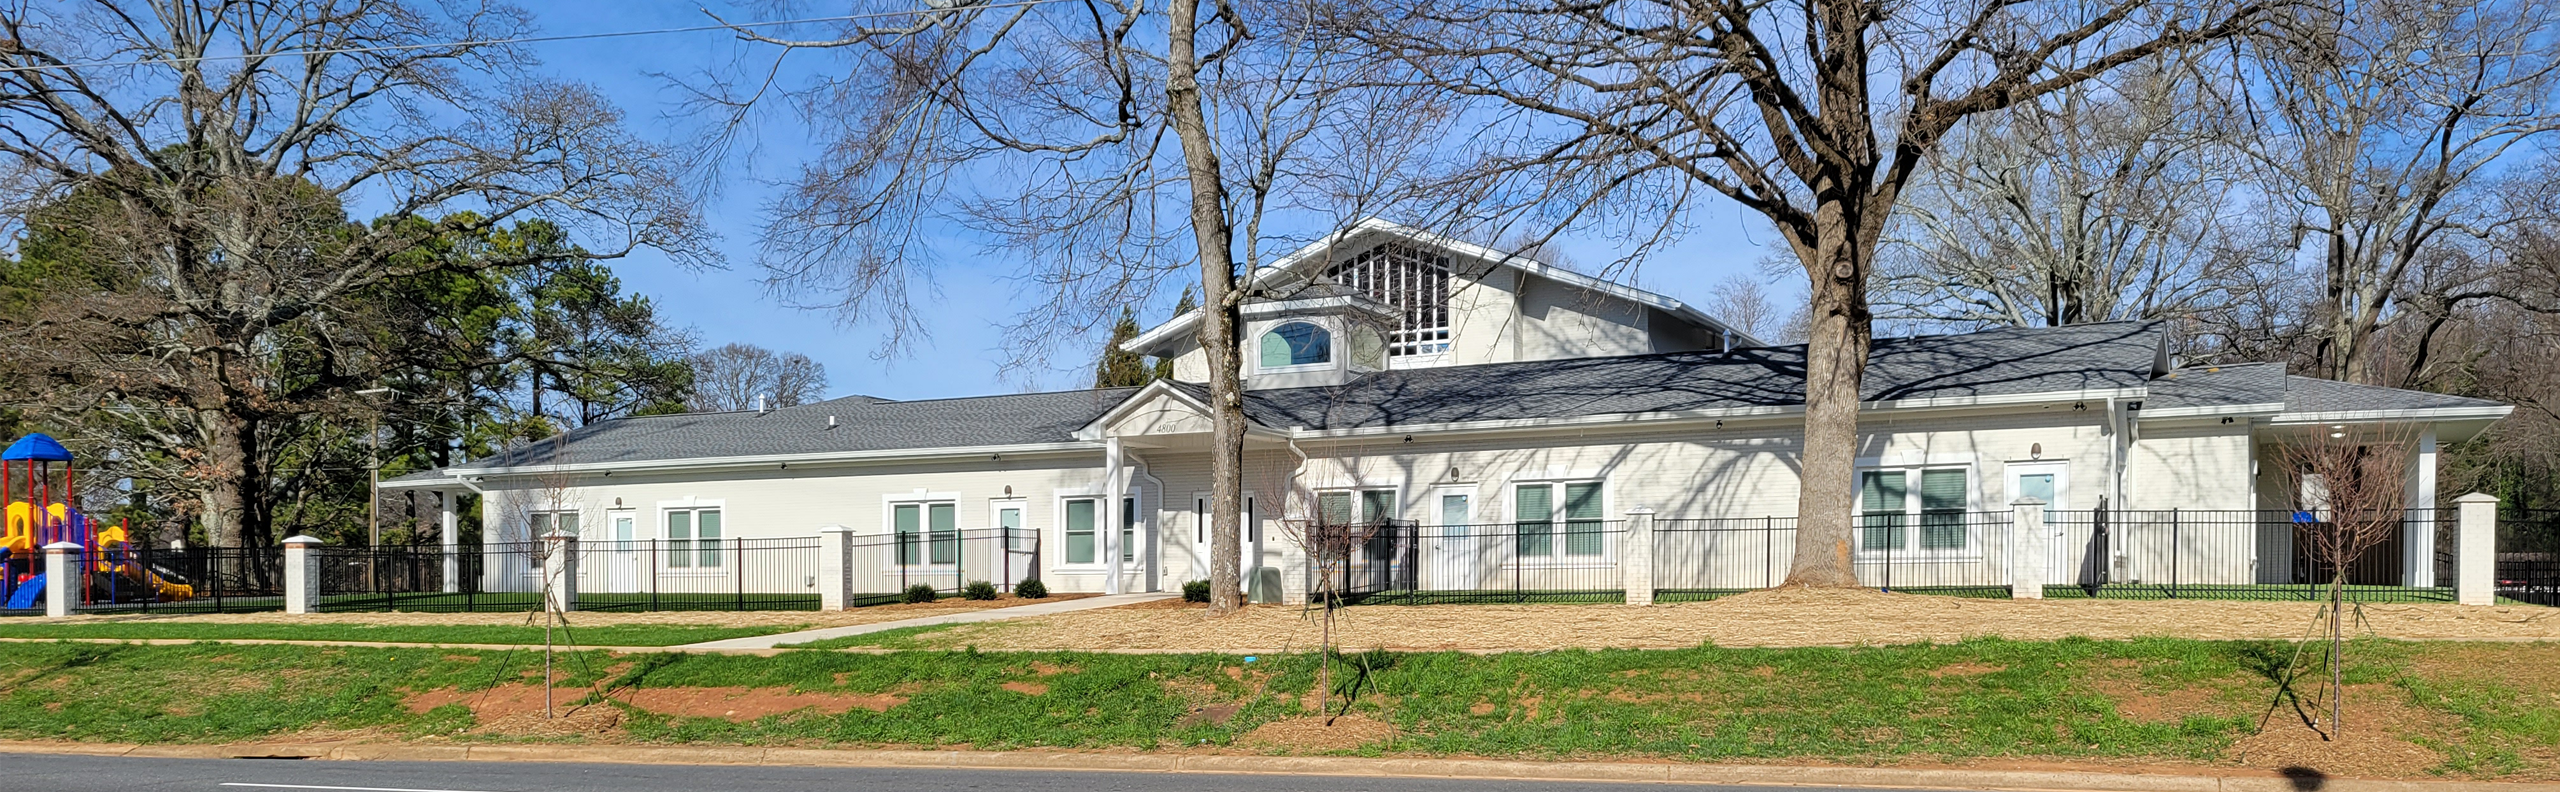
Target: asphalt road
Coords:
[[126, 774]]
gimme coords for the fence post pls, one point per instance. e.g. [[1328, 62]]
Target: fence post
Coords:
[[59, 558], [560, 570], [835, 568], [1635, 556], [301, 574], [2475, 548], [2029, 558]]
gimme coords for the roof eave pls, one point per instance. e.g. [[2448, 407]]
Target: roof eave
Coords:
[[1722, 414], [776, 460]]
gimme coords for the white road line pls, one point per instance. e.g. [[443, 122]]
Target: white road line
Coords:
[[339, 788]]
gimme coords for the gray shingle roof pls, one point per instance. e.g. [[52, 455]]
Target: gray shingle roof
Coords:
[[2217, 386], [863, 423], [1996, 362], [2311, 394]]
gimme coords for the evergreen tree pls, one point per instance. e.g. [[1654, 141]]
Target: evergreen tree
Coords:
[[1121, 368]]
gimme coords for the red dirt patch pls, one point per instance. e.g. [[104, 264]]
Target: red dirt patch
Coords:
[[495, 702], [2370, 746], [1312, 734], [1965, 670], [1027, 688], [745, 704]]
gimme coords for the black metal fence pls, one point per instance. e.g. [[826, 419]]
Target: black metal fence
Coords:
[[491, 577], [698, 574], [139, 578], [1560, 561], [2528, 567], [1959, 553], [882, 567], [2240, 554]]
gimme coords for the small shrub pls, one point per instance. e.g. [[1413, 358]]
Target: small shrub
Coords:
[[922, 592], [1030, 588], [1195, 591], [979, 590]]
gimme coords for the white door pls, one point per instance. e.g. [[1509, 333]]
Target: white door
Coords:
[[624, 560], [2049, 482], [1016, 542], [1454, 556]]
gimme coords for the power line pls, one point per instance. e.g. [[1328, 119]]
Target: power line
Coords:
[[516, 40]]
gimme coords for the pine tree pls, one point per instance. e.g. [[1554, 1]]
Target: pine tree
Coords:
[[1121, 368]]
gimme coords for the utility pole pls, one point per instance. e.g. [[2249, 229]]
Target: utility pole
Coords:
[[373, 473]]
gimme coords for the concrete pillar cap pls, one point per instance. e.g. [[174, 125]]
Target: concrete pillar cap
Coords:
[[2029, 500], [301, 540], [556, 536], [2477, 497], [63, 547]]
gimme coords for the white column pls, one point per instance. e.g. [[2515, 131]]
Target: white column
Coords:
[[301, 574], [1635, 556], [2418, 547], [835, 567], [2475, 550], [450, 539], [2030, 555], [1114, 484], [560, 570], [60, 570]]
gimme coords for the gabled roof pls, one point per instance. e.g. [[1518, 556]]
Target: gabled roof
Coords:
[[2093, 360], [862, 424], [1181, 327]]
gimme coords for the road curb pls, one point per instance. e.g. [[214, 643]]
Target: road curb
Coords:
[[1343, 766]]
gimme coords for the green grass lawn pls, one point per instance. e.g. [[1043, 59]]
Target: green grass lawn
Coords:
[[602, 635], [2491, 706]]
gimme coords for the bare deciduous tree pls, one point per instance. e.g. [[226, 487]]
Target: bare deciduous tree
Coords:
[[2353, 482], [1136, 145], [1812, 114], [222, 144], [735, 376], [2386, 126], [2115, 199]]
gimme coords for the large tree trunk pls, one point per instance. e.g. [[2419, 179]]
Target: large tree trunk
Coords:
[[1217, 333], [219, 486], [1835, 362]]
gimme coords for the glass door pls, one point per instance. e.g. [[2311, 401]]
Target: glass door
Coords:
[[2051, 482], [1454, 551]]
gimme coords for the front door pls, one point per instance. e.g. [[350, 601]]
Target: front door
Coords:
[[624, 558], [1016, 544], [2049, 482], [1454, 554]]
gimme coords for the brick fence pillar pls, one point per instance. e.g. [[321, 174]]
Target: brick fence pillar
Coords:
[[301, 574], [560, 571], [2030, 550], [61, 562], [2475, 550], [1635, 556]]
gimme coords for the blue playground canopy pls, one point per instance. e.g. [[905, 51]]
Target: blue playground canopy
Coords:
[[37, 447]]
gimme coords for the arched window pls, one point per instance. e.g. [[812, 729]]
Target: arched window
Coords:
[[1296, 344]]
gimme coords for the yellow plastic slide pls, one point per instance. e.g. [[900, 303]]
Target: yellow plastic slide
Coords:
[[17, 531], [113, 536]]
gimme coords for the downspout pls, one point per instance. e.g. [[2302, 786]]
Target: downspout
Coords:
[[1292, 481], [1155, 544], [2117, 448]]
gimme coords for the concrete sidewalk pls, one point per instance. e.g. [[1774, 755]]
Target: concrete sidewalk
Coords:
[[990, 614]]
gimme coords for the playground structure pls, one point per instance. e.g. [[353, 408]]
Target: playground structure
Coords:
[[42, 515]]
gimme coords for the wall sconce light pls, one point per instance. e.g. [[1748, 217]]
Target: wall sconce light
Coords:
[[2035, 451], [1008, 489], [617, 503], [1453, 472]]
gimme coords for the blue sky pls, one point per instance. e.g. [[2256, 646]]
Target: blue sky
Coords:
[[973, 295]]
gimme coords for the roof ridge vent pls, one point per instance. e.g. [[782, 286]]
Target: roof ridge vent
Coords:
[[831, 423]]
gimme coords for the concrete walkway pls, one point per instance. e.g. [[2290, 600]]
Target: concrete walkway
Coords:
[[990, 614]]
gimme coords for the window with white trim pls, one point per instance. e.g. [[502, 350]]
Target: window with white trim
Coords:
[[693, 538], [542, 523], [928, 533], [1893, 502], [1412, 281], [1539, 508], [1342, 507], [1295, 344], [1084, 533]]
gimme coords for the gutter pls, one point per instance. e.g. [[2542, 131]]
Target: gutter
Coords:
[[815, 458]]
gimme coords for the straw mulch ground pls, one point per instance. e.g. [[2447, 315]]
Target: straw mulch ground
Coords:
[[1786, 617], [866, 615]]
